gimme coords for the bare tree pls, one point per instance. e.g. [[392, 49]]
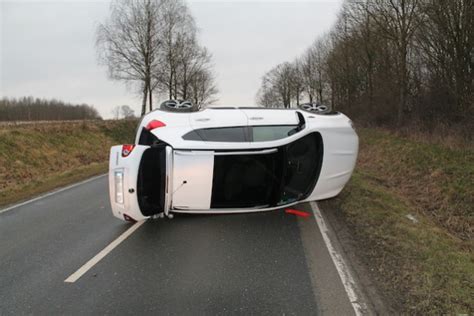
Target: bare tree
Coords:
[[313, 68], [202, 89], [128, 43], [447, 41], [297, 79], [398, 20], [153, 45], [267, 97], [178, 29], [185, 71], [280, 79], [116, 112], [127, 112], [388, 62]]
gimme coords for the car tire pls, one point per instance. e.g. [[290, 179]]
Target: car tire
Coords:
[[315, 108], [179, 106]]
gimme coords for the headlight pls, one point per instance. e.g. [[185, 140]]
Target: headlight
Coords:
[[118, 176]]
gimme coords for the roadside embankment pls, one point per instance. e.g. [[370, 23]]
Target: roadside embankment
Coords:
[[410, 208], [39, 157]]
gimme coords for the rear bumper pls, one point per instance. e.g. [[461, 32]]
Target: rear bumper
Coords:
[[123, 196]]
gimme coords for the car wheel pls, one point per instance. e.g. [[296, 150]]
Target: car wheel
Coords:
[[315, 108], [179, 106]]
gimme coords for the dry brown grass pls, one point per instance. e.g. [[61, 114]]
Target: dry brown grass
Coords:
[[36, 157]]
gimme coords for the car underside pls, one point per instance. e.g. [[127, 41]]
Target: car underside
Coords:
[[242, 180]]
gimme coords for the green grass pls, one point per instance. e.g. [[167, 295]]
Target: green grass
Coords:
[[436, 179], [36, 158], [427, 266]]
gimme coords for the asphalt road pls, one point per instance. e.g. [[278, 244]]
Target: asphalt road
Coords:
[[265, 263]]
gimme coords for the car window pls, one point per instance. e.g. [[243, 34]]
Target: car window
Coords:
[[223, 134], [274, 132]]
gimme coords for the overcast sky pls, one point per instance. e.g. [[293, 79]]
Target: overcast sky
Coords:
[[47, 47]]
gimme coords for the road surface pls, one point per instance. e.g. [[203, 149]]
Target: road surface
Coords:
[[265, 263]]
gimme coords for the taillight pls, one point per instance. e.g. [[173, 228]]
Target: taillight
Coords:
[[154, 124], [118, 180], [127, 150]]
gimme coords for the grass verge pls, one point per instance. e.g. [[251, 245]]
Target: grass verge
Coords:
[[409, 206], [36, 158]]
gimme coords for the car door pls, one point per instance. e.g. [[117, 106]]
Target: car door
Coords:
[[138, 181]]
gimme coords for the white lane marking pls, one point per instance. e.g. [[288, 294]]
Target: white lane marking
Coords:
[[342, 270], [51, 193], [104, 252]]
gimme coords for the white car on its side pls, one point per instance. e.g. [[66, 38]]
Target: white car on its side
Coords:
[[230, 160]]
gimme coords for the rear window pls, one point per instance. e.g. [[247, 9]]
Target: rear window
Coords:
[[269, 133], [223, 134]]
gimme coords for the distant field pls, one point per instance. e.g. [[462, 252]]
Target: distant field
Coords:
[[410, 208], [38, 157]]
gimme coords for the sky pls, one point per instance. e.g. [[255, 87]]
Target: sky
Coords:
[[47, 48]]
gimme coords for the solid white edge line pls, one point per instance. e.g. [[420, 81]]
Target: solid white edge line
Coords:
[[341, 267], [51, 193], [104, 252]]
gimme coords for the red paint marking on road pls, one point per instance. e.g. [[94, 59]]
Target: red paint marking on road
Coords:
[[296, 212]]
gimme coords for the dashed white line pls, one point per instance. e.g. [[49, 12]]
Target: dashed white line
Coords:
[[51, 193], [341, 267], [104, 252]]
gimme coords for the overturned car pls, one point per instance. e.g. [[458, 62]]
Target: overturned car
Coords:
[[230, 160]]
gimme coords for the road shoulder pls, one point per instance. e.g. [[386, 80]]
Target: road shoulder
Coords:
[[323, 269], [373, 296]]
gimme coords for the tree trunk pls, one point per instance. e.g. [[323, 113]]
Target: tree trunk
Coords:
[[402, 82], [185, 83], [150, 96], [145, 94], [371, 89], [170, 86]]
